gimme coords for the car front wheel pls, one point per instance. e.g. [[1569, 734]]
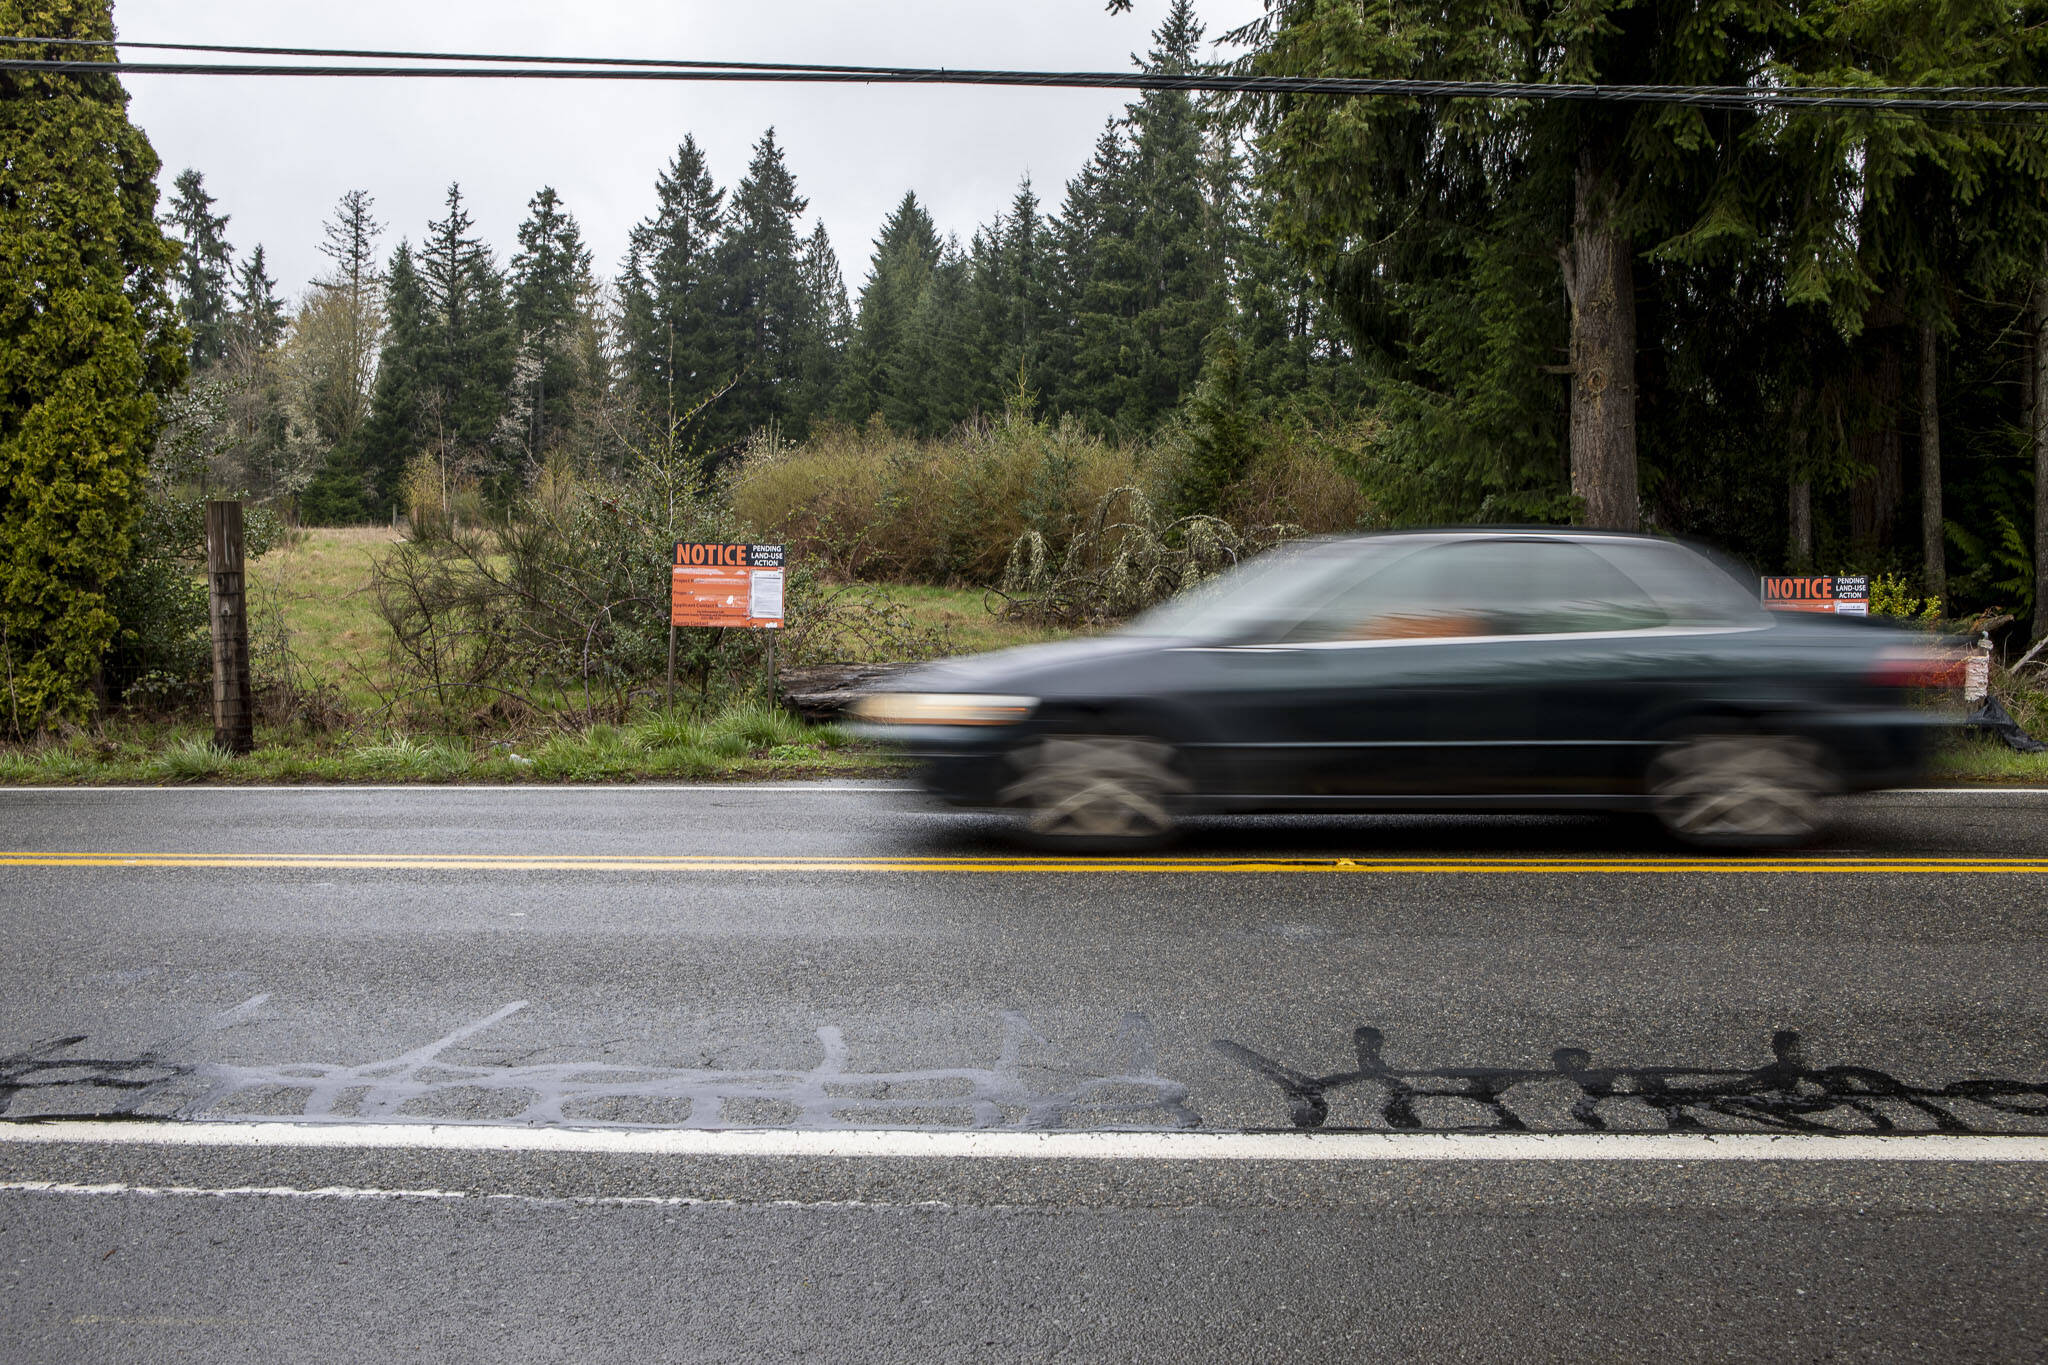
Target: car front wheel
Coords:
[[1096, 791]]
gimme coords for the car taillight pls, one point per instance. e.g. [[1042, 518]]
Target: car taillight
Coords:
[[1937, 668]]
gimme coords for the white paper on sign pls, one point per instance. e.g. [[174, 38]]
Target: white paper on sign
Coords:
[[765, 603]]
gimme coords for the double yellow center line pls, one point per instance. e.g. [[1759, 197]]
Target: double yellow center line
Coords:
[[1732, 864]]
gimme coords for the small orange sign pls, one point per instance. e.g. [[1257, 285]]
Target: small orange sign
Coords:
[[726, 585]]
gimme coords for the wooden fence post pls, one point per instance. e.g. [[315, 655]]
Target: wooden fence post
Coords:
[[234, 708]]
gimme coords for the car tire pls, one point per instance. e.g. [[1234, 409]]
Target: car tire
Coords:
[[1097, 792], [1739, 790]]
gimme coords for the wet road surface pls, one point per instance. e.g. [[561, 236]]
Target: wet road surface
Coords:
[[833, 966]]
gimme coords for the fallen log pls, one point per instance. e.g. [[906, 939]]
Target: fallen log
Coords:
[[822, 692]]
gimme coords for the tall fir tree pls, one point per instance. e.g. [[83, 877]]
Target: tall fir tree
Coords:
[[676, 352], [205, 269], [1098, 285], [761, 298], [89, 346], [1022, 289], [881, 374], [259, 314], [551, 290], [822, 333], [471, 363], [365, 481], [939, 375], [1180, 296]]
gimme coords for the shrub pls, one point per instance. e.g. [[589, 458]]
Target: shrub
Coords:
[[867, 503], [1892, 595]]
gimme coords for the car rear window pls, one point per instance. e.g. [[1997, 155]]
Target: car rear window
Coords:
[[1687, 587]]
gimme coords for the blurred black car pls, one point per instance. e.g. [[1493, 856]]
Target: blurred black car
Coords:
[[1463, 670]]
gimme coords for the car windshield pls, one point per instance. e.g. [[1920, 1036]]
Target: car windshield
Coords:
[[1265, 593]]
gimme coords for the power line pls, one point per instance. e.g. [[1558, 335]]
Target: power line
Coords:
[[387, 55], [1704, 97], [2008, 99], [1743, 92]]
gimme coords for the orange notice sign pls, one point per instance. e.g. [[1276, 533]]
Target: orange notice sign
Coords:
[[1845, 595], [726, 585]]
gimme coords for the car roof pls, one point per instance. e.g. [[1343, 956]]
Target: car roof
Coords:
[[1452, 535], [1508, 533]]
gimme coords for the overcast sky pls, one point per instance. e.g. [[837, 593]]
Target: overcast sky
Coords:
[[276, 153]]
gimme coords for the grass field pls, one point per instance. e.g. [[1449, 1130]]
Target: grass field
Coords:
[[316, 594]]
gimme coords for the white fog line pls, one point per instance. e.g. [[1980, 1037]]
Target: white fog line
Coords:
[[1986, 789], [1044, 1146], [347, 1193]]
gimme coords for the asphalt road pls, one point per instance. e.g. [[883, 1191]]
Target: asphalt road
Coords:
[[828, 962]]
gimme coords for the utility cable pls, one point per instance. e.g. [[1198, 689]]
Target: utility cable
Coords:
[[671, 63], [1739, 97]]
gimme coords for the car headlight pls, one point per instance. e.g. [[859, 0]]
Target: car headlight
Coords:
[[942, 708]]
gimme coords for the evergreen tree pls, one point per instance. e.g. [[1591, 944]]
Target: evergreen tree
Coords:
[[1098, 286], [675, 352], [881, 372], [762, 303], [89, 346], [259, 313], [822, 333], [937, 376], [1012, 278], [1290, 349], [1180, 297], [205, 269], [261, 454], [365, 478], [470, 362], [551, 285]]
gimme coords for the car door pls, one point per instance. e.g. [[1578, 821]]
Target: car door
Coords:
[[1480, 666]]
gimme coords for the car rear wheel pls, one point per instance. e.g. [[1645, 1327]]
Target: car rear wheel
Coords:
[[1096, 791], [1739, 790]]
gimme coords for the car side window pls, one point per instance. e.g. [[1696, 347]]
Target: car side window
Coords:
[[1482, 588]]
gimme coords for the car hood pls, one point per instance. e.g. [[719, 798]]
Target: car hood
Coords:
[[1033, 669]]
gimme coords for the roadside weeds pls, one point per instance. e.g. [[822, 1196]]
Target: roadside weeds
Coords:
[[752, 744]]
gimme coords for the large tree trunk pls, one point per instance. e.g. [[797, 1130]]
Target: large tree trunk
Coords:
[[1933, 573], [1600, 280], [1799, 491], [2041, 451], [1876, 444], [1799, 516]]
